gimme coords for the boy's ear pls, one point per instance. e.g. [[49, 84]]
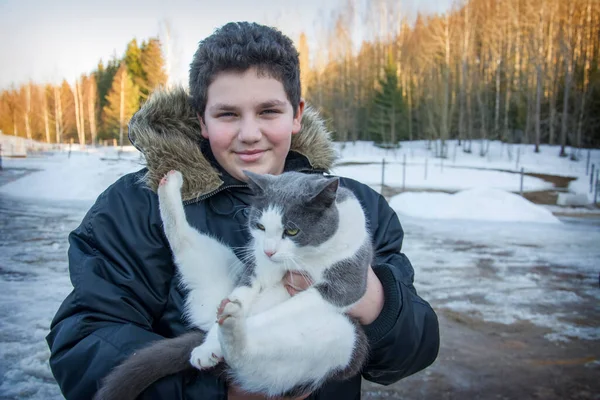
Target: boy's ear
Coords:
[[203, 129], [298, 118]]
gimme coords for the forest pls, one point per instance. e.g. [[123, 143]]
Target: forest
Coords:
[[518, 71]]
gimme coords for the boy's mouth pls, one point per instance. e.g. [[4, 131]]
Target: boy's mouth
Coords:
[[250, 155]]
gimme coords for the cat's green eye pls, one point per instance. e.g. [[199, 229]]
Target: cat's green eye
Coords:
[[292, 232], [260, 226]]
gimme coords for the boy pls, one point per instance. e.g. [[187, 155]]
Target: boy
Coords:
[[245, 112]]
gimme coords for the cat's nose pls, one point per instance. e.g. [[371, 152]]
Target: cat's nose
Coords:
[[269, 253]]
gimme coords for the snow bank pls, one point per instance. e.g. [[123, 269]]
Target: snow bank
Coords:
[[474, 204], [81, 177]]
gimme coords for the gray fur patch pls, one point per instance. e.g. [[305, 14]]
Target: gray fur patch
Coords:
[[346, 281], [164, 357], [306, 204]]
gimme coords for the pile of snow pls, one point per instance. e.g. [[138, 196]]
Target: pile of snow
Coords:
[[80, 176], [474, 204]]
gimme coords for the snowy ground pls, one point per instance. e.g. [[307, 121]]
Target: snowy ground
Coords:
[[499, 169], [535, 283]]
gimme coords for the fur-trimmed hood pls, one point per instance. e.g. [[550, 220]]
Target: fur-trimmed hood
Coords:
[[167, 132]]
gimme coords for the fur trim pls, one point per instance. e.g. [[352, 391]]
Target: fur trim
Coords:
[[167, 132]]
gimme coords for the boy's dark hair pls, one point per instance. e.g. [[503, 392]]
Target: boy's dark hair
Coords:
[[238, 46]]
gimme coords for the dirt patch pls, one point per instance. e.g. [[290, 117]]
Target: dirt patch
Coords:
[[482, 360], [557, 181], [549, 197]]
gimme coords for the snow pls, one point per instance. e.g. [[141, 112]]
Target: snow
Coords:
[[482, 251], [78, 177], [499, 168], [448, 179], [479, 204], [88, 171]]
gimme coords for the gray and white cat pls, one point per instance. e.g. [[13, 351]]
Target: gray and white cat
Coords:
[[271, 343]]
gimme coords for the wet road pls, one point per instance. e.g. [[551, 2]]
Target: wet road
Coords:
[[33, 282]]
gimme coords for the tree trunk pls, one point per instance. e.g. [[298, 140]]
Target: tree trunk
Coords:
[[45, 111], [81, 112], [122, 109], [538, 107], [77, 109], [92, 110], [27, 114], [568, 76], [58, 114]]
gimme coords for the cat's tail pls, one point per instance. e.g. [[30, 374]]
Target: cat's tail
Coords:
[[165, 357]]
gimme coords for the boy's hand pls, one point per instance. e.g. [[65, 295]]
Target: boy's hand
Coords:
[[296, 282], [366, 310], [235, 393]]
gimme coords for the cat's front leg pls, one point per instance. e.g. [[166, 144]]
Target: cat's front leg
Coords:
[[209, 353], [244, 295], [232, 329]]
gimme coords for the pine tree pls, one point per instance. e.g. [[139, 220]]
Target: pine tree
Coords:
[[122, 85], [153, 67], [104, 77], [133, 60], [386, 122]]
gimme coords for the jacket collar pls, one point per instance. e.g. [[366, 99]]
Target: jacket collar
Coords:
[[167, 132]]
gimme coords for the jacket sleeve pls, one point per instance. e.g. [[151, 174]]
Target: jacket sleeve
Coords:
[[404, 339], [121, 275]]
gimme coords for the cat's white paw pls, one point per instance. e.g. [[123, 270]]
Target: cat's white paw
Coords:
[[173, 180], [206, 356], [230, 311]]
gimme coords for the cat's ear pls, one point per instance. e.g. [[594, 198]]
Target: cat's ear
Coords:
[[326, 192], [257, 182]]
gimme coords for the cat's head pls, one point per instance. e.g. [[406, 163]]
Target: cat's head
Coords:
[[291, 213]]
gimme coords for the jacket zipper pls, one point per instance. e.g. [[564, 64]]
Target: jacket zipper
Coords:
[[207, 195]]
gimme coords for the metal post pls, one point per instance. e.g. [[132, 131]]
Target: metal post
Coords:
[[521, 189], [518, 157], [382, 174], [454, 155], [404, 173], [597, 189], [592, 179], [587, 164]]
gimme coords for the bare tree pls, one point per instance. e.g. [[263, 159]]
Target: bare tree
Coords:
[[44, 99], [27, 111], [91, 102], [586, 24], [567, 51], [58, 118]]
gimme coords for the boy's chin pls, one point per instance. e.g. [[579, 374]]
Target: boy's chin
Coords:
[[257, 169]]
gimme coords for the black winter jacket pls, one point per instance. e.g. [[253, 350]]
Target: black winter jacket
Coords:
[[126, 293]]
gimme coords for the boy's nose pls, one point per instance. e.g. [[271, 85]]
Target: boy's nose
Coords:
[[249, 131]]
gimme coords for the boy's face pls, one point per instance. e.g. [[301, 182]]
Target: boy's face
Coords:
[[249, 123]]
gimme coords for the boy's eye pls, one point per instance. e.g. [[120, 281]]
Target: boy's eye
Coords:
[[291, 232], [260, 226], [270, 111], [225, 114]]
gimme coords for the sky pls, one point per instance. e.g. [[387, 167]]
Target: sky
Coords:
[[47, 41]]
